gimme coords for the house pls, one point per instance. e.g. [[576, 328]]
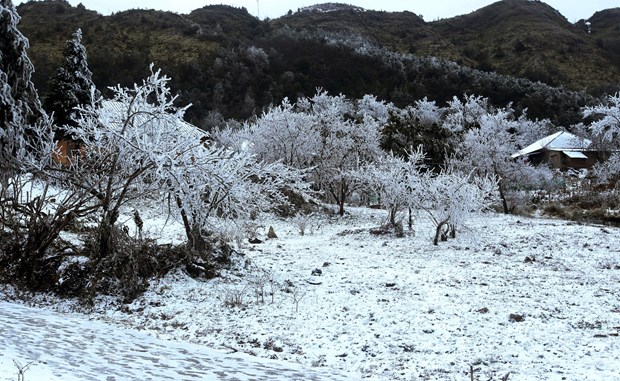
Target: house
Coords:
[[561, 150], [67, 147]]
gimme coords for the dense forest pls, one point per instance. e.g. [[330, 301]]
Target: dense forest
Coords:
[[229, 64]]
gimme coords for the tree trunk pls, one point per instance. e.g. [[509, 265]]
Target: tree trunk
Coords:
[[393, 211], [341, 207], [105, 233], [195, 241], [438, 231], [503, 197], [410, 220]]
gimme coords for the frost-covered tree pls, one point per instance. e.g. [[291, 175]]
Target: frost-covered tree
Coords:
[[398, 183], [452, 198], [608, 171], [462, 115], [344, 146], [282, 134], [606, 119], [139, 146], [418, 125], [32, 215], [71, 86], [487, 149], [375, 108], [328, 135], [605, 130], [20, 108], [214, 184], [127, 143]]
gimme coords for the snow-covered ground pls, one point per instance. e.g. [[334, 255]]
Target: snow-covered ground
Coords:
[[49, 346], [536, 298]]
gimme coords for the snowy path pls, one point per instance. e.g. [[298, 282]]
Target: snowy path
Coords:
[[70, 347]]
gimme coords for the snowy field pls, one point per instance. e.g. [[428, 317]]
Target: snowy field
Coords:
[[538, 299]]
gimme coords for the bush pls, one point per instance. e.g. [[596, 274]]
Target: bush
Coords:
[[124, 273]]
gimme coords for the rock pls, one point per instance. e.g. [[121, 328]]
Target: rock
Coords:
[[271, 234], [529, 259], [317, 272], [516, 318], [389, 285], [255, 240], [484, 310], [326, 264]]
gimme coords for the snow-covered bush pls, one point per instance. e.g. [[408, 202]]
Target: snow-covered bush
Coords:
[[32, 214]]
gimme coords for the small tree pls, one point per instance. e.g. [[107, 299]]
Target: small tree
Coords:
[[451, 199], [71, 86]]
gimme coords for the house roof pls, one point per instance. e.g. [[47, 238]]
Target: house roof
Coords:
[[119, 111], [560, 141]]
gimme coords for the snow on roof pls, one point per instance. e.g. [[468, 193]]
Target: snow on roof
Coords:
[[560, 141], [119, 110]]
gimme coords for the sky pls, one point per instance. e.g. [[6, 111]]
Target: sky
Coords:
[[573, 10]]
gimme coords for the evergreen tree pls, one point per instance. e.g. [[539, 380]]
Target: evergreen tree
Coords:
[[20, 108], [72, 84]]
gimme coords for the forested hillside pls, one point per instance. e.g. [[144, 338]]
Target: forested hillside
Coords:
[[229, 64]]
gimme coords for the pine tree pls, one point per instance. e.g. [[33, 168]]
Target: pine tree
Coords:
[[20, 108], [72, 84]]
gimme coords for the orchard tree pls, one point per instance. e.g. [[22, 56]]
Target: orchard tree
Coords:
[[398, 183], [327, 135], [142, 148], [463, 115], [487, 150], [71, 86], [344, 146], [451, 198], [282, 134]]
